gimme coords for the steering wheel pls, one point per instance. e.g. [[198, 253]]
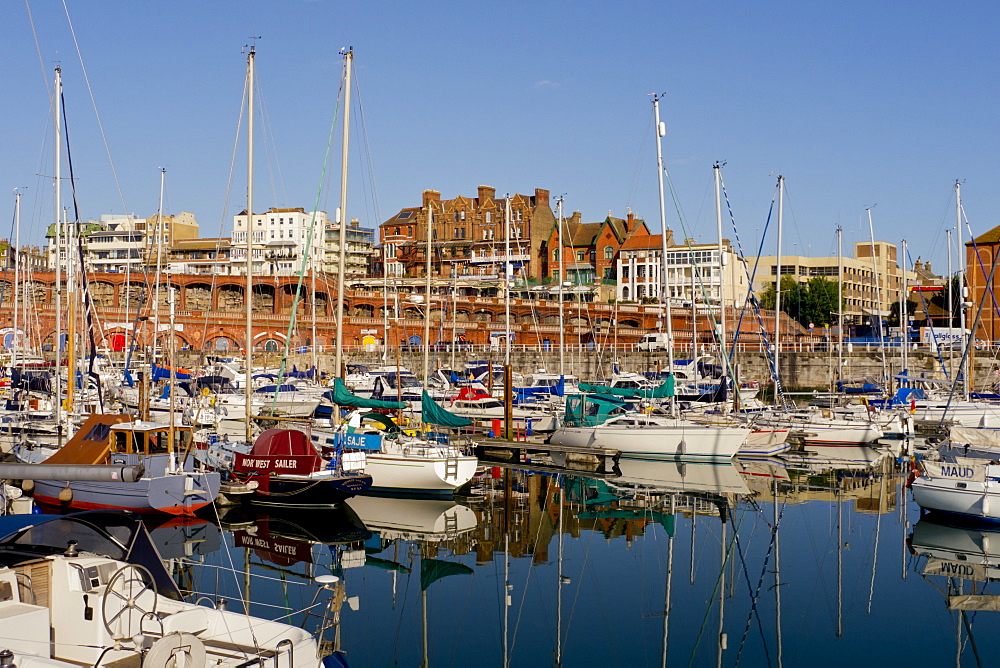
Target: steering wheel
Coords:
[[129, 597]]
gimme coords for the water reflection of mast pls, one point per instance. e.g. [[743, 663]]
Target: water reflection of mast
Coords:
[[878, 526], [694, 520], [777, 572], [670, 572], [840, 565], [722, 595], [559, 573], [506, 563]]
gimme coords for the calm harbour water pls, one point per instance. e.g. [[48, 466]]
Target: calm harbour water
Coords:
[[669, 564]]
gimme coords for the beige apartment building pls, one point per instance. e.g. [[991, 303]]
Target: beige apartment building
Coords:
[[872, 278]]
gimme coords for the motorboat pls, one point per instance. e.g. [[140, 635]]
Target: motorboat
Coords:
[[90, 589], [478, 405], [171, 483]]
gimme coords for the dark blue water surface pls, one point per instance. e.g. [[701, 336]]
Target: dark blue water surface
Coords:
[[815, 560]]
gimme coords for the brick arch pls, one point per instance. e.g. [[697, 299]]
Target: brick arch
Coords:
[[197, 296], [364, 310], [264, 298], [229, 297], [482, 315]]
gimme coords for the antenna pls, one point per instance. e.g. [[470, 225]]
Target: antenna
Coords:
[[252, 46]]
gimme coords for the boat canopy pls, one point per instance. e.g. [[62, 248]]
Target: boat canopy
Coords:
[[432, 413], [342, 396], [590, 410], [664, 390]]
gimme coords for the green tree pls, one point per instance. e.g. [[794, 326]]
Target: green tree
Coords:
[[813, 302]]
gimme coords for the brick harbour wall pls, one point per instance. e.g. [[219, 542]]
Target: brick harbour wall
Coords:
[[798, 370]]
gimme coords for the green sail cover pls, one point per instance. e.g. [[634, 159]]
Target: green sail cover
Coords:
[[344, 397], [432, 570], [431, 413], [665, 389]]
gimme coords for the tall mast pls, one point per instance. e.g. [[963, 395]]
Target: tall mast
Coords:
[[158, 241], [17, 272], [661, 131], [342, 216], [878, 291], [507, 277], [951, 304], [777, 281], [248, 291], [57, 339], [716, 170], [903, 317], [840, 301], [427, 294], [71, 294], [562, 284], [962, 292]]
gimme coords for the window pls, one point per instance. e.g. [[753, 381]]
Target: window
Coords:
[[489, 216], [609, 252], [462, 213], [581, 256], [555, 255]]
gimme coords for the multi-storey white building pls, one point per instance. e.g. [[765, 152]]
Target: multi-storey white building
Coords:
[[693, 272], [281, 241], [115, 243]]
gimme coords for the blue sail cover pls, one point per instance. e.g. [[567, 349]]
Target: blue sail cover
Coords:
[[161, 372], [431, 413]]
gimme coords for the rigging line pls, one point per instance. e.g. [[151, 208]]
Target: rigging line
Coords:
[[989, 287], [84, 280], [225, 208], [751, 299], [927, 312], [524, 592], [637, 169], [38, 48], [270, 148], [93, 101], [366, 143], [755, 594], [586, 560], [718, 583], [965, 351]]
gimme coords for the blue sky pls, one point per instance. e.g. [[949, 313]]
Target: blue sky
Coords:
[[855, 103]]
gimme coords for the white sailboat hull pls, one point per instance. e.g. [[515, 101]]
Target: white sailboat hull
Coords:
[[398, 472], [976, 499], [686, 440]]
